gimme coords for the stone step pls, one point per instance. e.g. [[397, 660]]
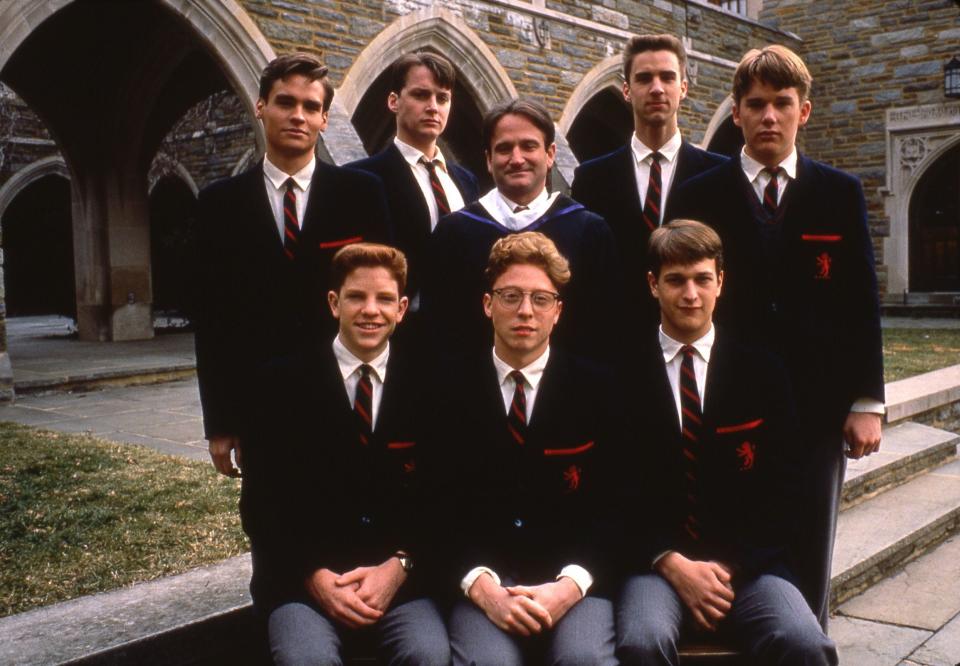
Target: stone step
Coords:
[[931, 396], [878, 536], [908, 449]]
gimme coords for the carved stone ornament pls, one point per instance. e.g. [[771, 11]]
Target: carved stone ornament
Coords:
[[912, 151]]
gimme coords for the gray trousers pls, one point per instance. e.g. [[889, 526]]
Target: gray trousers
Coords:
[[409, 634], [582, 637], [770, 622]]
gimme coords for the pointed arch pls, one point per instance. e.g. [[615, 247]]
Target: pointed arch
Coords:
[[724, 111], [605, 74], [230, 35], [53, 165], [438, 29]]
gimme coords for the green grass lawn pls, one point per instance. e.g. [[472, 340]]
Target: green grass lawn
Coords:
[[80, 515], [909, 351]]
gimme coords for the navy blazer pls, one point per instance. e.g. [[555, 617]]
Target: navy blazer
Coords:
[[253, 302], [408, 211], [313, 496], [805, 287], [528, 510], [747, 463], [607, 185]]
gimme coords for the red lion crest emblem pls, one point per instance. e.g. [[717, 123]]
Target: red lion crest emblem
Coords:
[[572, 477], [746, 452], [824, 262]]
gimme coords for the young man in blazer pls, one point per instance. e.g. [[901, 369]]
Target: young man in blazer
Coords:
[[421, 184], [331, 492], [533, 429], [717, 477], [802, 284], [630, 187], [264, 243], [518, 137]]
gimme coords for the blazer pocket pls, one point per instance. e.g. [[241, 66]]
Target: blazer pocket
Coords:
[[326, 245], [739, 443], [819, 255], [571, 451], [567, 468], [402, 455], [821, 238]]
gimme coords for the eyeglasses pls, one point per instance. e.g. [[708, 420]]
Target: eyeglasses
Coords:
[[541, 301]]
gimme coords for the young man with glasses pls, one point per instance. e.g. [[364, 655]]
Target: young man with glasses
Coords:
[[518, 138], [526, 471]]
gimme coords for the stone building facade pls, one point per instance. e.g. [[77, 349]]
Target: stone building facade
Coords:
[[166, 103]]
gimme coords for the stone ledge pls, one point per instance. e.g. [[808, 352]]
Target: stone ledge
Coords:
[[105, 378], [922, 393]]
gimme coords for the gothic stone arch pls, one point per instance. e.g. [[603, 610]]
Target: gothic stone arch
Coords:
[[916, 137]]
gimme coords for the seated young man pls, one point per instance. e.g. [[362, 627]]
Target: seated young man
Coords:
[[330, 492], [531, 427], [718, 466]]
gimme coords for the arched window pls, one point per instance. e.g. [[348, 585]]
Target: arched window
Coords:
[[602, 125]]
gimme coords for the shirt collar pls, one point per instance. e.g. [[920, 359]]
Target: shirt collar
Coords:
[[349, 363], [279, 178], [412, 155], [533, 372], [669, 150], [671, 347], [752, 168]]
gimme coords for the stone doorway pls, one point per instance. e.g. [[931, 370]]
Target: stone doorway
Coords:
[[602, 125], [935, 227]]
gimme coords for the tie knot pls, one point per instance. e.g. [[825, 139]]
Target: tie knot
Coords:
[[430, 164], [773, 171], [517, 377], [290, 184], [365, 371], [687, 350], [519, 209], [656, 157]]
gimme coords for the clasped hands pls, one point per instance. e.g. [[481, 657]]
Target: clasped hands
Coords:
[[524, 609], [359, 597], [704, 587]]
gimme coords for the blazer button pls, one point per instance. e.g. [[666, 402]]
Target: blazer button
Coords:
[[366, 520], [773, 308], [517, 522]]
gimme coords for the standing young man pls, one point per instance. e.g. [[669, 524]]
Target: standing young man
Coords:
[[717, 477], [630, 187], [518, 137], [332, 480], [421, 184], [266, 237], [533, 427], [802, 284]]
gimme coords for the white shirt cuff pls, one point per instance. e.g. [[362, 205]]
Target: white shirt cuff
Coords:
[[578, 575], [659, 557], [868, 405], [472, 577]]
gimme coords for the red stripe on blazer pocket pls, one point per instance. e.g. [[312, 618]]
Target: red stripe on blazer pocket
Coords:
[[569, 452], [326, 245], [822, 238], [740, 427], [400, 445]]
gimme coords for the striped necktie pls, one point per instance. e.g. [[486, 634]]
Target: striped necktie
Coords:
[[363, 404], [443, 206], [691, 426], [651, 207], [517, 416], [291, 225], [771, 191]]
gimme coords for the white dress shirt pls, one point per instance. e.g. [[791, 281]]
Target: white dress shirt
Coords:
[[350, 371], [759, 177], [275, 181], [532, 374], [505, 211], [454, 198], [643, 157]]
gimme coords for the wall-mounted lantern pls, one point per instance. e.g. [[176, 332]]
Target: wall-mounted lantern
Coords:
[[951, 78]]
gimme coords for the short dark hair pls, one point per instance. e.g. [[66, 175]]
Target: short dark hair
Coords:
[[531, 248], [296, 63], [368, 255], [443, 72], [775, 65], [533, 111], [642, 43], [683, 242]]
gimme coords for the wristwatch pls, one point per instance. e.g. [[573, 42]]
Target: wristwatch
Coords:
[[406, 562]]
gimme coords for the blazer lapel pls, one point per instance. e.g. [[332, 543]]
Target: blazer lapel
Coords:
[[627, 185], [262, 218], [410, 194], [321, 188]]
